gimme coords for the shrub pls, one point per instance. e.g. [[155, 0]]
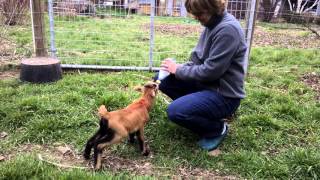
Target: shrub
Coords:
[[13, 11], [296, 18]]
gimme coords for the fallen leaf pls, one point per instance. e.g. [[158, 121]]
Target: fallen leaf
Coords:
[[214, 153], [2, 158], [3, 135]]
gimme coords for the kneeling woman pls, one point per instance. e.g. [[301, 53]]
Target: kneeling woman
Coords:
[[210, 86]]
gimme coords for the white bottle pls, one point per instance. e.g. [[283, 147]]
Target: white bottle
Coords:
[[162, 73]]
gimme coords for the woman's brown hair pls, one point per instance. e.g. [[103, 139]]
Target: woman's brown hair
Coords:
[[209, 7]]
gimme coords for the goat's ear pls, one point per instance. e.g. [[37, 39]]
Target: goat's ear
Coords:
[[153, 94], [138, 88]]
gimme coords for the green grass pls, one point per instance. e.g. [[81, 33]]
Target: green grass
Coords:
[[274, 136], [28, 167], [114, 41], [276, 133]]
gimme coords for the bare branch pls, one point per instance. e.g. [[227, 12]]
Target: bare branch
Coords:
[[314, 4], [305, 3], [298, 6], [290, 5], [312, 30]]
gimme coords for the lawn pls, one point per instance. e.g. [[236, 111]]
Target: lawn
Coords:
[[274, 135]]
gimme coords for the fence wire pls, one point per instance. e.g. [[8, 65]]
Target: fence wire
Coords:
[[128, 33], [124, 34]]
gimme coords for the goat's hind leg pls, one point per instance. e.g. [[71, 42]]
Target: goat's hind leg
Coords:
[[90, 144], [103, 130], [104, 141]]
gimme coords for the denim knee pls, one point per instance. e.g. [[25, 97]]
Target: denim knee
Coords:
[[173, 113]]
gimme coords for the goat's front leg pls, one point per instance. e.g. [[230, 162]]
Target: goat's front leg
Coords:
[[144, 147], [131, 138]]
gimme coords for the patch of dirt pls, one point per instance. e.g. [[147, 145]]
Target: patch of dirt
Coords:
[[144, 167], [9, 74], [198, 173], [180, 30], [50, 154], [64, 156], [116, 164], [285, 38], [313, 80]]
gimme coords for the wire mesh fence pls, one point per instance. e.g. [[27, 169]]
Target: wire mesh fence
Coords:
[[138, 34], [122, 34]]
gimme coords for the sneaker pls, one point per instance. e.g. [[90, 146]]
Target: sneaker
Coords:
[[212, 143]]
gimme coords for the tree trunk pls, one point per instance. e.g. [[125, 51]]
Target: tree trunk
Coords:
[[299, 2], [277, 9], [267, 10]]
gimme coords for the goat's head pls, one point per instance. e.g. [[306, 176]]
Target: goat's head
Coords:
[[150, 88]]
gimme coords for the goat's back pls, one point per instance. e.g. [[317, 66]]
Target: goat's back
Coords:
[[131, 118]]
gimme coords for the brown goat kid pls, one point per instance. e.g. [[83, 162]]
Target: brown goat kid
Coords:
[[116, 125]]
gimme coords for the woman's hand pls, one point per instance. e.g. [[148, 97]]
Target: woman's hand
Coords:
[[169, 65]]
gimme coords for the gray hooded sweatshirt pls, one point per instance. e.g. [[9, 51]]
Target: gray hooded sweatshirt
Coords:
[[217, 61]]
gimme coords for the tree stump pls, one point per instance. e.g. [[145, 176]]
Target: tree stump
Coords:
[[40, 70]]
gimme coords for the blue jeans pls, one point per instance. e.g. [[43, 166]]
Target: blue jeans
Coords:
[[197, 109]]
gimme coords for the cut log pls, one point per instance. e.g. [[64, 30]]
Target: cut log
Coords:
[[40, 70]]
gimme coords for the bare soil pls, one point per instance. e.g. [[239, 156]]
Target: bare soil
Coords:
[[284, 38], [179, 30], [313, 80], [65, 157], [9, 74]]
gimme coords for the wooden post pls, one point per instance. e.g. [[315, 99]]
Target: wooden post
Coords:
[[39, 69], [39, 38]]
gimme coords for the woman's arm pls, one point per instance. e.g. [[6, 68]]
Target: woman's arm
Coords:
[[224, 45]]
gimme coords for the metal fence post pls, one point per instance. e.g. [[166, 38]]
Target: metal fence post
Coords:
[[51, 24], [249, 30], [32, 27], [318, 9], [151, 34]]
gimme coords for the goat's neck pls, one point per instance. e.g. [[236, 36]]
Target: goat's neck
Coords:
[[148, 100]]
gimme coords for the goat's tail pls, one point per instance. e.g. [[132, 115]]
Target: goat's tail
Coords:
[[104, 116], [102, 111], [104, 124]]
